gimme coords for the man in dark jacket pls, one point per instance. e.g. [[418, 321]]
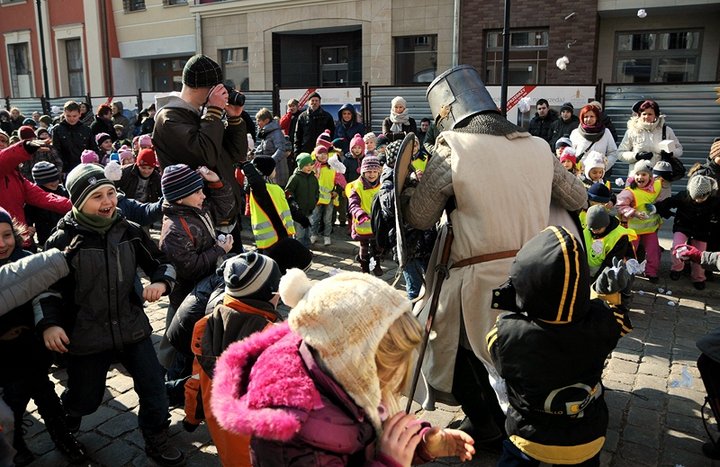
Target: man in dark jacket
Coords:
[[311, 123], [184, 135], [567, 122], [541, 123], [103, 122], [71, 137]]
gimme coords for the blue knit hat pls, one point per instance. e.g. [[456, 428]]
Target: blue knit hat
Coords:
[[179, 181]]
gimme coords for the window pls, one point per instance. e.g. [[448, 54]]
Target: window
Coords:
[[8, 2], [20, 75], [657, 56], [76, 76], [167, 74], [235, 67], [528, 57], [415, 59], [134, 5], [174, 2], [333, 66]]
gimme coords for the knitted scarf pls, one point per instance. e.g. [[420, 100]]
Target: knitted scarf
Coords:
[[592, 133], [96, 223], [398, 120]]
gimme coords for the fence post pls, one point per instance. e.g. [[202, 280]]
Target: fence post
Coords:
[[276, 104], [365, 99], [600, 92], [45, 104], [7, 103]]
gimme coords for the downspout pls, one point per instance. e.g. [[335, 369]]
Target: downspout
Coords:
[[456, 33], [109, 91], [198, 34], [43, 57]]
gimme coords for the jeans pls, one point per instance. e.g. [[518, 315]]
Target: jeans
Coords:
[[697, 273], [322, 216], [302, 235], [413, 273], [514, 457], [86, 383]]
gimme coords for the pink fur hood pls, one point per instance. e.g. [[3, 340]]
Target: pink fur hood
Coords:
[[261, 387]]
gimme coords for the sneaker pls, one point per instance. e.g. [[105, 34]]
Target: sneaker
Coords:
[[158, 448], [326, 241], [313, 239], [675, 275], [68, 445], [699, 285]]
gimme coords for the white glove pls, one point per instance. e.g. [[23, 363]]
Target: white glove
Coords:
[[113, 171], [336, 165]]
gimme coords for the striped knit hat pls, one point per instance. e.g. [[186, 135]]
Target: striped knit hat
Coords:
[[83, 180], [179, 181], [250, 275], [370, 163], [325, 140], [44, 172]]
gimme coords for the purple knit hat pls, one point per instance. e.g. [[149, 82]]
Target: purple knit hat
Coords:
[[370, 163]]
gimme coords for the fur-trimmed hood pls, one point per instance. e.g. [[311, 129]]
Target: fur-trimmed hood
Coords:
[[272, 400]]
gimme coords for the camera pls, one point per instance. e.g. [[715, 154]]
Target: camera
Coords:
[[235, 97]]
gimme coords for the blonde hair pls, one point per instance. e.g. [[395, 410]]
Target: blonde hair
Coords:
[[393, 358]]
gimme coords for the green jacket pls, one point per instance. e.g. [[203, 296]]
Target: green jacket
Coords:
[[305, 189]]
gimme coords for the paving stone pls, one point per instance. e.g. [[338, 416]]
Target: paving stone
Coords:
[[100, 416], [651, 382], [126, 401], [116, 426], [117, 453], [638, 453], [641, 435], [642, 417], [684, 424], [93, 441]]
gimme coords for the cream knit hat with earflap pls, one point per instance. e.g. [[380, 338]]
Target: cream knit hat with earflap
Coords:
[[344, 318]]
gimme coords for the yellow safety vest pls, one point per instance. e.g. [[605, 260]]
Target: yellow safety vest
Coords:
[[419, 164], [326, 181], [366, 197], [642, 198], [596, 258], [265, 234]]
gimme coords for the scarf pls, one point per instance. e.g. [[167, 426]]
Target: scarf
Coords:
[[398, 120], [592, 133], [95, 223]]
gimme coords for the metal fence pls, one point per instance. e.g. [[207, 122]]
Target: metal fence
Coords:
[[691, 112]]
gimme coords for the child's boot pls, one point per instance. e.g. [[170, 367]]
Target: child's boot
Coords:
[[64, 440], [377, 269], [158, 448], [364, 264]]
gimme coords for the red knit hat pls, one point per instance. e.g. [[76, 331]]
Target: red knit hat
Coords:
[[146, 157], [325, 139], [26, 132]]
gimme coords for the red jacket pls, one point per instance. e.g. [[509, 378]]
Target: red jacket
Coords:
[[16, 191]]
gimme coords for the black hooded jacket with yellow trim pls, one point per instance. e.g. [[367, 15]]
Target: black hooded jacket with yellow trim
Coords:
[[552, 354]]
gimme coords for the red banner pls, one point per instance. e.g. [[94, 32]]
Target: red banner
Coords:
[[305, 97], [524, 91]]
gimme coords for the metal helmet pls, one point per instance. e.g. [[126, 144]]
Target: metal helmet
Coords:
[[457, 94]]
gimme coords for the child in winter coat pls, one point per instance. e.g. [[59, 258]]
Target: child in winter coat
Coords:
[[303, 189], [695, 210], [635, 205], [141, 180], [188, 233], [568, 160], [248, 306], [95, 315], [551, 349], [47, 177], [711, 168], [325, 387], [328, 177], [663, 171], [105, 147], [370, 142], [605, 240], [360, 194], [351, 161], [24, 368]]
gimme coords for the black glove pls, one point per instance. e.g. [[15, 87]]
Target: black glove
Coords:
[[31, 146], [666, 156], [643, 156], [614, 279], [72, 249]]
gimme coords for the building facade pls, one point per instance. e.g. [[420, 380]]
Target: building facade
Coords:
[[115, 47]]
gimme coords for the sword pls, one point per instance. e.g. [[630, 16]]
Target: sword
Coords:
[[441, 273]]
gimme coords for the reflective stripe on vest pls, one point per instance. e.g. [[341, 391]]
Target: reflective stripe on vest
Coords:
[[265, 234], [642, 198], [608, 242], [326, 182], [366, 197]]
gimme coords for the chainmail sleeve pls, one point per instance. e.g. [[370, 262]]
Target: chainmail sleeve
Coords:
[[423, 205], [568, 192]]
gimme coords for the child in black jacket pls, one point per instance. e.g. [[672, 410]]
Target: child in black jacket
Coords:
[[696, 212], [47, 177]]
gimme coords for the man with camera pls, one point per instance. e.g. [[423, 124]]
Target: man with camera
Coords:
[[189, 127]]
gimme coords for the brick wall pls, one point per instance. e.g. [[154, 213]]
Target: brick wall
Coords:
[[478, 16]]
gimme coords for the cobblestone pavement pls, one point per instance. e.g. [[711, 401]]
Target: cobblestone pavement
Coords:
[[654, 391]]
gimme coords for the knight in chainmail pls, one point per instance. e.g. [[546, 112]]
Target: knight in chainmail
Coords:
[[499, 186]]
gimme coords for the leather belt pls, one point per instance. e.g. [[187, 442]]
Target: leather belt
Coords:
[[484, 258]]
